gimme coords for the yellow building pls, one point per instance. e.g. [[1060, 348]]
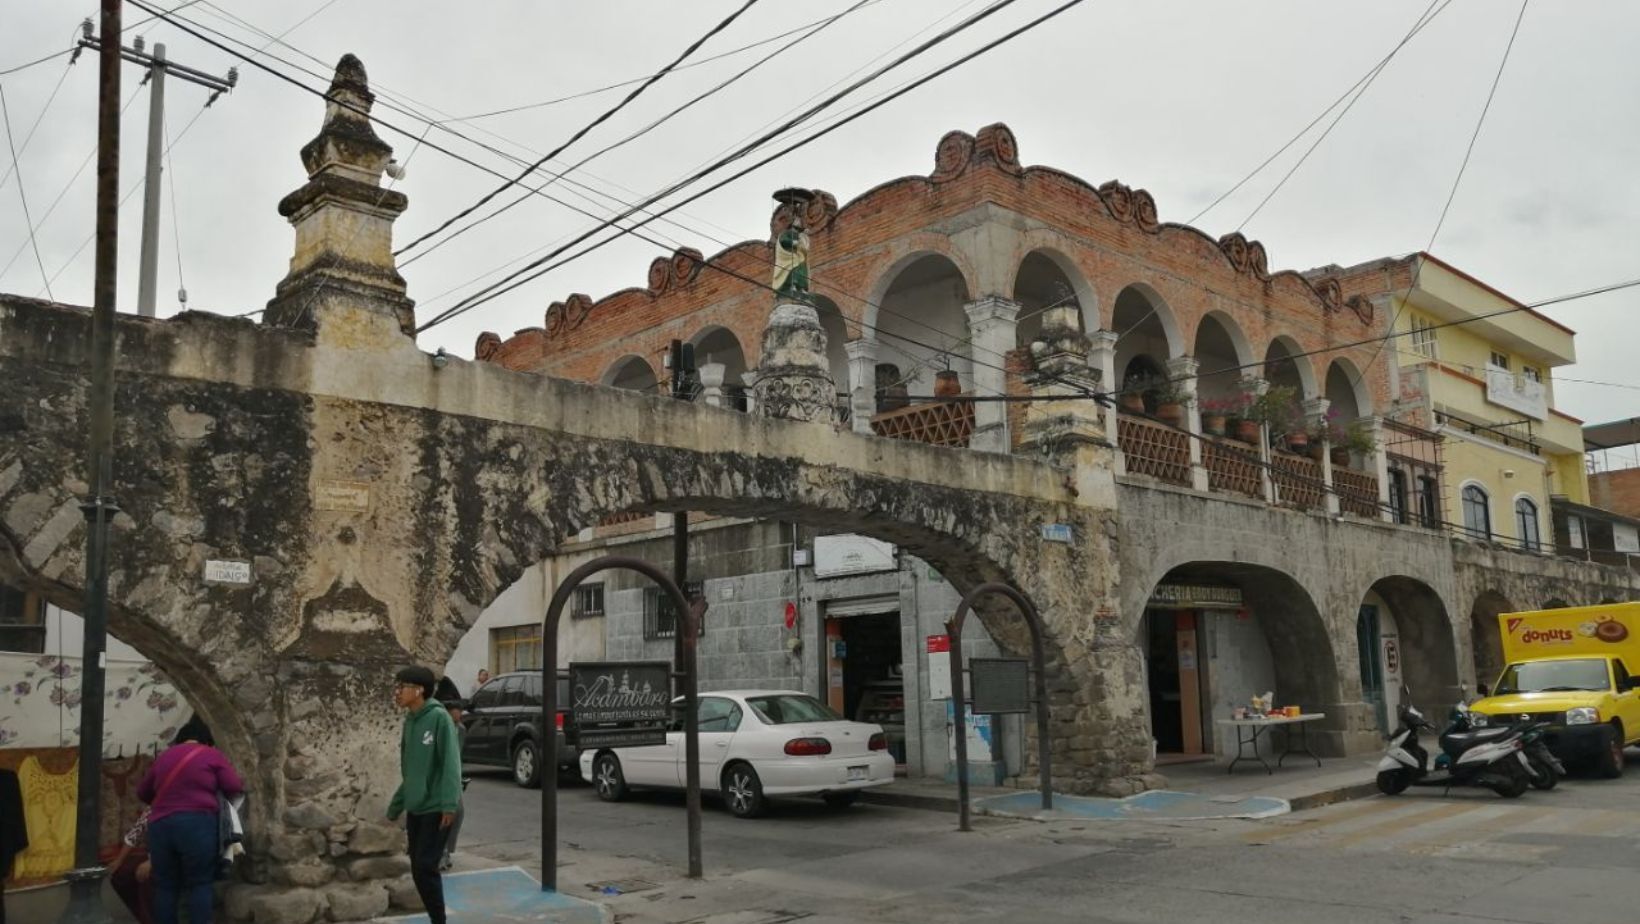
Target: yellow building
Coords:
[[1476, 366]]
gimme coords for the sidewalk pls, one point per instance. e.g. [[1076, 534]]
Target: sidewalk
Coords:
[[1302, 785]]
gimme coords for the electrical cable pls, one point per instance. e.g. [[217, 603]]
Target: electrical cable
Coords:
[[630, 137], [18, 152], [70, 50], [581, 132], [506, 285], [176, 224], [34, 240]]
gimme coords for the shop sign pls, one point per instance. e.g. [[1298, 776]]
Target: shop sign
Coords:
[[1001, 685], [1195, 595], [620, 703], [835, 556], [939, 667]]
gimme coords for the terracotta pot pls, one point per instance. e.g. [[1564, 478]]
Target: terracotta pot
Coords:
[[1317, 450], [1133, 403], [1340, 458], [1171, 414], [1213, 424], [946, 384], [1297, 442], [1247, 431]]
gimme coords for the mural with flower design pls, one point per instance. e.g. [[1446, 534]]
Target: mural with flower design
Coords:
[[40, 705]]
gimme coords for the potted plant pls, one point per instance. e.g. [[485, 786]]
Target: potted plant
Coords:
[[1218, 412], [1171, 398], [1353, 437], [1277, 409]]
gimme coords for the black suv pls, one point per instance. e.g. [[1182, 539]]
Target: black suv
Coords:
[[503, 722]]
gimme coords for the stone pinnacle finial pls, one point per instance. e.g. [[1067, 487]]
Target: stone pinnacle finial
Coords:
[[343, 217]]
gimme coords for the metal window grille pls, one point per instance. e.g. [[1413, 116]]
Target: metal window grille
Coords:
[[660, 617], [587, 602]]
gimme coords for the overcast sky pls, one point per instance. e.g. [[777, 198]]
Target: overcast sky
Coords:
[[1182, 98]]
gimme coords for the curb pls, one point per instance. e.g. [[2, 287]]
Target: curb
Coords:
[[1334, 796], [943, 803]]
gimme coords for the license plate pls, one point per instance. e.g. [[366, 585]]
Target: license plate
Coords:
[[856, 773]]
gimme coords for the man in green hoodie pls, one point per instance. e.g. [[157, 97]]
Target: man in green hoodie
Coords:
[[430, 790]]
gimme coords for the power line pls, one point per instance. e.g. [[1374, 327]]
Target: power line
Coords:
[[580, 133], [494, 290], [33, 240], [72, 50], [630, 137], [18, 151]]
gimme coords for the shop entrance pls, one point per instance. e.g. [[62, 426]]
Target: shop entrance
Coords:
[[865, 673], [1176, 682]]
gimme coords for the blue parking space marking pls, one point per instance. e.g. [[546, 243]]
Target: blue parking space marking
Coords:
[[507, 894]]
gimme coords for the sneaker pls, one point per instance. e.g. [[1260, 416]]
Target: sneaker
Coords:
[[445, 864]]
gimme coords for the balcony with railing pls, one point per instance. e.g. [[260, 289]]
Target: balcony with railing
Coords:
[[939, 423], [1233, 467], [1154, 449]]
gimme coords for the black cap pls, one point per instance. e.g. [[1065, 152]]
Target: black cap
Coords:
[[420, 676]]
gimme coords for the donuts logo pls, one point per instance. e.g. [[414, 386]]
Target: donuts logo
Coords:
[[1540, 636]]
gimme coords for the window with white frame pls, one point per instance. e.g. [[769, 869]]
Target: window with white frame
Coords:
[[1526, 524], [1501, 360], [1423, 338], [1477, 512]]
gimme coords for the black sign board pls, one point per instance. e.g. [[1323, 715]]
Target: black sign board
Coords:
[[620, 704], [1001, 685]]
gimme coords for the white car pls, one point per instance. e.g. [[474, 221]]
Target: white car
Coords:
[[754, 744]]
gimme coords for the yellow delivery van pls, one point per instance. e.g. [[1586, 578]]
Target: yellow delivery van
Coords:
[[1577, 669]]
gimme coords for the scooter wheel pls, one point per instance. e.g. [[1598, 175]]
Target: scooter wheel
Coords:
[[1393, 782], [1544, 777], [1513, 782]]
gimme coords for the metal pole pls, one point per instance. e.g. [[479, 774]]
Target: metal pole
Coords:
[[959, 718], [148, 279], [85, 895], [682, 362]]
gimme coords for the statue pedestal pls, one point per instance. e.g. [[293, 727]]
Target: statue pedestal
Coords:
[[794, 377]]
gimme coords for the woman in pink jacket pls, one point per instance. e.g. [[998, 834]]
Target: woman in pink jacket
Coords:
[[181, 789]]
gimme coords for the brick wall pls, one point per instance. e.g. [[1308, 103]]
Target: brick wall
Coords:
[[1617, 491]]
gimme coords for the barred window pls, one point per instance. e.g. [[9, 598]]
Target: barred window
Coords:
[[588, 601], [660, 616]]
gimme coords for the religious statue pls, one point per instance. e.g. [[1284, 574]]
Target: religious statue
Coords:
[[791, 248]]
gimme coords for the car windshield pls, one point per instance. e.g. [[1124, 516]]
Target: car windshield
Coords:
[[1554, 676], [787, 708]]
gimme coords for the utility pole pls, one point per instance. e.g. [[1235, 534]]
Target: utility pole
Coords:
[[85, 889], [681, 359], [158, 67]]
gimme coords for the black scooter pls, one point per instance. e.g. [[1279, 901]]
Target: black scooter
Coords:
[[1494, 758]]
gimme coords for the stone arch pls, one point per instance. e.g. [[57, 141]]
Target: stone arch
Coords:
[[1277, 632], [633, 373], [921, 325], [1145, 323], [835, 324], [1425, 646], [718, 344], [918, 248], [1486, 637], [1047, 277], [1283, 366], [1223, 355], [1347, 391]]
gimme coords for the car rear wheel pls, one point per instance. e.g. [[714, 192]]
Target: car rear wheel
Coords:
[[743, 791], [607, 778], [840, 800], [1610, 761], [526, 764]]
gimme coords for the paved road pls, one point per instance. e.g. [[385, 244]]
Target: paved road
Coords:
[[1563, 856]]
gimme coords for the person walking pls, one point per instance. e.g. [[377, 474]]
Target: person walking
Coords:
[[181, 788], [456, 708], [430, 789]]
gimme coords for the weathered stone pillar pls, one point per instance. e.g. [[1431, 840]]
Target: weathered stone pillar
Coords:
[[1182, 370], [1315, 412], [343, 218], [711, 383], [1103, 359], [1380, 467], [1256, 386], [992, 321], [793, 377], [1069, 431], [862, 374]]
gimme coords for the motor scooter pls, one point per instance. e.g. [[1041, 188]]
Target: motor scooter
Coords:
[[1545, 767], [1494, 758]]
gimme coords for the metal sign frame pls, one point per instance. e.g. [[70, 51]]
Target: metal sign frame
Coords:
[[631, 712], [689, 635], [985, 676]]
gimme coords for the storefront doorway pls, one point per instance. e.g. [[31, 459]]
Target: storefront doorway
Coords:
[[865, 673], [1177, 683]]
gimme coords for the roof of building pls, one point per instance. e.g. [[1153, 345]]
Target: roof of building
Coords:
[[1612, 435]]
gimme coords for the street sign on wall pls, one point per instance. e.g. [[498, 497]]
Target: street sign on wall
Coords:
[[1001, 685], [620, 703]]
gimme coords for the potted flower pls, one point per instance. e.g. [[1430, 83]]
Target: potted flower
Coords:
[[1354, 437], [1218, 412], [1277, 409], [1170, 398]]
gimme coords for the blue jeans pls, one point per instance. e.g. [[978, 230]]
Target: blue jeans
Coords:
[[182, 848]]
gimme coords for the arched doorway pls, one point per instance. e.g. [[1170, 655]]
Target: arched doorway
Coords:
[[719, 345], [1405, 648], [1145, 335], [1486, 637], [922, 326], [632, 373], [1042, 284], [1217, 634]]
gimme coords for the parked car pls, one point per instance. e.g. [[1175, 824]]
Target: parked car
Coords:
[[754, 744], [503, 725]]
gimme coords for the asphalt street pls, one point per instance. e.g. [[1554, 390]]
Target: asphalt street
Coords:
[[1569, 855]]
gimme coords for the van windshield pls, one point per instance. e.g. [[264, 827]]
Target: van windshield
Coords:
[[1554, 676]]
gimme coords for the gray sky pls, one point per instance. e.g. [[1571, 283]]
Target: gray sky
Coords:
[[1182, 98]]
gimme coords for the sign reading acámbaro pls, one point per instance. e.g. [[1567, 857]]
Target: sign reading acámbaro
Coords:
[[620, 703]]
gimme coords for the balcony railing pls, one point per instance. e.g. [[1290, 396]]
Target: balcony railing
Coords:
[[1232, 466], [939, 423], [1298, 480], [1154, 449], [1357, 492]]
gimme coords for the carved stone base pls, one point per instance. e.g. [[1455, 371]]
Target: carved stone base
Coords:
[[794, 378]]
